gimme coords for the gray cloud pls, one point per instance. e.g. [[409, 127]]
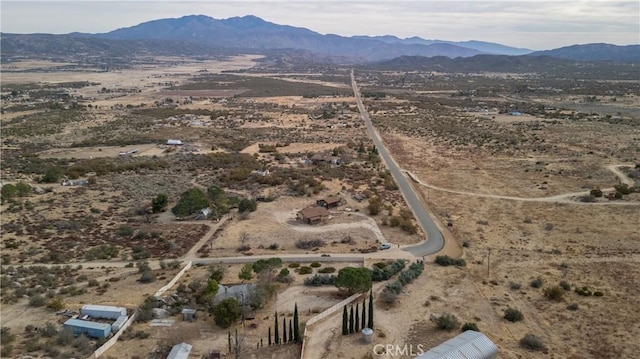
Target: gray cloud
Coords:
[[534, 24]]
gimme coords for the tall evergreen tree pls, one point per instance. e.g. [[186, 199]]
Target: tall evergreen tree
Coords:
[[345, 321], [296, 325], [351, 321], [363, 322], [276, 334], [370, 324], [356, 326], [290, 331], [284, 330], [269, 336]]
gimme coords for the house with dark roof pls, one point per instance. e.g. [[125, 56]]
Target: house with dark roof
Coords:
[[313, 215]]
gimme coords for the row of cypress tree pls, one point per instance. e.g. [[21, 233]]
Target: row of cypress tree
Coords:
[[294, 330], [355, 321]]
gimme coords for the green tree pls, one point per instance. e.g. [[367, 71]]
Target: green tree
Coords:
[[370, 324], [8, 191], [356, 326], [247, 205], [296, 324], [269, 336], [284, 330], [276, 334], [363, 321], [345, 321], [219, 200], [159, 203], [212, 288], [246, 273], [23, 189], [354, 280], [52, 174], [375, 205], [351, 321], [290, 331], [226, 312], [191, 201]]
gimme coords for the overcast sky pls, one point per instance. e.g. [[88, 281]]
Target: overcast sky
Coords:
[[537, 24]]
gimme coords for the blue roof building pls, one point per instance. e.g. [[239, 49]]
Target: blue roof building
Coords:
[[91, 329]]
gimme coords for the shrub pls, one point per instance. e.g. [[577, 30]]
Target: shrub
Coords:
[[469, 326], [515, 286], [294, 265], [327, 270], [513, 315], [598, 293], [445, 261], [147, 277], [216, 272], [554, 293], [305, 270], [623, 188], [389, 297], [315, 265], [596, 192], [37, 301], [536, 283], [584, 291], [572, 306], [309, 243], [380, 273], [55, 304], [565, 285], [124, 231], [531, 342], [273, 247], [262, 264], [319, 280], [447, 322]]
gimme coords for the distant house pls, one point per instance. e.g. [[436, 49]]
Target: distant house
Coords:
[[470, 344], [515, 113], [174, 142], [312, 215], [78, 182], [329, 202], [188, 315]]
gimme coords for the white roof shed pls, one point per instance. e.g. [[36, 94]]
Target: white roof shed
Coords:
[[467, 345], [180, 351], [174, 142]]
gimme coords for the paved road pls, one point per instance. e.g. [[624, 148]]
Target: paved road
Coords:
[[435, 240]]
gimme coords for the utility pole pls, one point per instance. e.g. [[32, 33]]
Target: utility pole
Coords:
[[489, 263]]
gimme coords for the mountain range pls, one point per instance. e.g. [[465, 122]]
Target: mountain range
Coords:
[[200, 34]]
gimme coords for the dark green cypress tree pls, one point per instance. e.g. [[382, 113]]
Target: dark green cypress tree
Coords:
[[296, 325], [269, 336], [290, 331], [370, 324], [284, 330], [276, 334], [356, 326], [345, 321], [351, 321], [364, 315]]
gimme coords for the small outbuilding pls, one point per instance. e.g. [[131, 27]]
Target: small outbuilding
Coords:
[[180, 351], [329, 202], [91, 329], [203, 214], [117, 325], [174, 142], [468, 345], [188, 315], [103, 311], [312, 215]]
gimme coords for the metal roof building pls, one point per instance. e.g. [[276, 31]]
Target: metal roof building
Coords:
[[91, 329], [467, 345], [103, 311], [180, 351]]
